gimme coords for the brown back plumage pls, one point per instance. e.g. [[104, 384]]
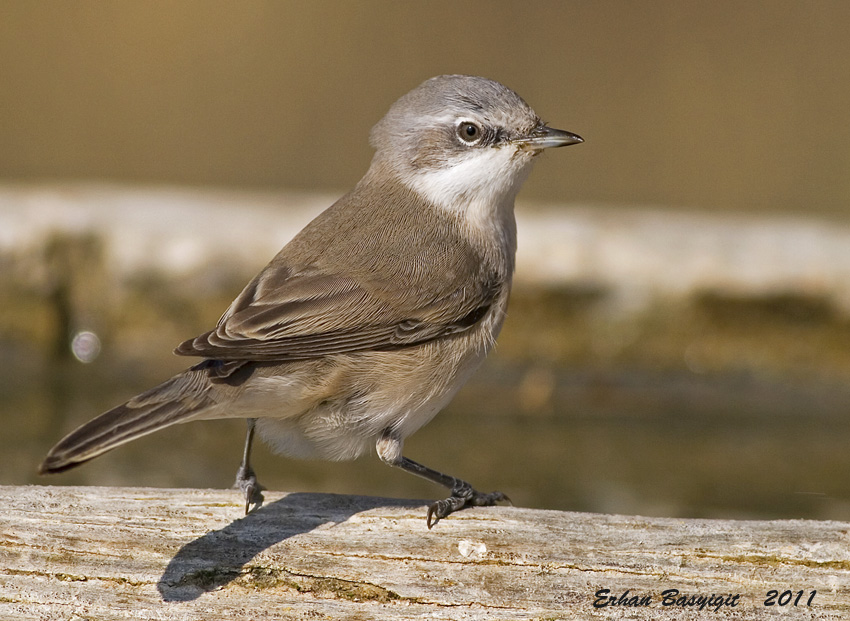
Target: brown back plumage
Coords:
[[395, 273]]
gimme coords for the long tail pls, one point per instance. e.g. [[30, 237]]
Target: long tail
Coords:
[[174, 401]]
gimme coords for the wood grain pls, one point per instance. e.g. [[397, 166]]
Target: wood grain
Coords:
[[132, 553]]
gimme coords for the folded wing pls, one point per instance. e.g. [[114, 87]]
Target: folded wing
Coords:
[[285, 315]]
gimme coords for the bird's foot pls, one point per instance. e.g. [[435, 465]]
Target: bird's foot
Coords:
[[463, 496], [246, 481]]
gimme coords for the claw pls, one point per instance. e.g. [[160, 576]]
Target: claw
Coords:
[[461, 498], [246, 481], [463, 495]]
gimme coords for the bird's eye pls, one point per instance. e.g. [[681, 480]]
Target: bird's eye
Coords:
[[469, 132]]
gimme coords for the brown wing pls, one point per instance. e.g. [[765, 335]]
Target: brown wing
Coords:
[[282, 315], [380, 269]]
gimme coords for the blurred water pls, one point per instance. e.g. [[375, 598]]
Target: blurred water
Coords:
[[650, 364], [635, 443]]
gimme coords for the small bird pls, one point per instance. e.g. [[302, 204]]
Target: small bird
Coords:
[[371, 318]]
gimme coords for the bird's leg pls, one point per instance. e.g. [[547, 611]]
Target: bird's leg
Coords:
[[463, 494], [246, 480]]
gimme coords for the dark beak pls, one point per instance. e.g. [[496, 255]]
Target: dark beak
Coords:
[[544, 137]]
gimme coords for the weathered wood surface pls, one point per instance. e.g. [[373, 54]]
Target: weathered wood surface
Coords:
[[125, 553]]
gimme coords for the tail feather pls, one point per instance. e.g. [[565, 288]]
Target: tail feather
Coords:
[[174, 401]]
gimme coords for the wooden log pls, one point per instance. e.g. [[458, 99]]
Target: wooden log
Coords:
[[131, 553]]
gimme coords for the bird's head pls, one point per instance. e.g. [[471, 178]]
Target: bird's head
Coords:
[[461, 140]]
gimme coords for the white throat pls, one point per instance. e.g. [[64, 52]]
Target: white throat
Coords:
[[479, 189]]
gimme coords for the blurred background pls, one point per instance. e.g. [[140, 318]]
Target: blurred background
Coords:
[[678, 343]]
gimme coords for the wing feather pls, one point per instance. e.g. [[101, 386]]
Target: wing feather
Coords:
[[345, 317], [401, 279]]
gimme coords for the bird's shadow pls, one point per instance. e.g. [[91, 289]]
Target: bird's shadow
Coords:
[[219, 557]]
